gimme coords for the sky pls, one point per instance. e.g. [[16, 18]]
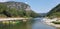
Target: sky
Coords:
[[39, 6]]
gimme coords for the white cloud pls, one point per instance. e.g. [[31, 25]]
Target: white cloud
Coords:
[[5, 0]]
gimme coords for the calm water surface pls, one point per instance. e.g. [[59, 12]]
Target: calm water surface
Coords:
[[35, 23], [39, 25]]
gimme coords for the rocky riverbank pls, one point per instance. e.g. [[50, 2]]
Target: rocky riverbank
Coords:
[[49, 22], [3, 19], [13, 20]]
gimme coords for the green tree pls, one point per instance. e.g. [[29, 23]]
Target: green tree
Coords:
[[2, 8]]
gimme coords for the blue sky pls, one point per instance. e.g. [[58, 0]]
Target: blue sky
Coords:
[[39, 6]]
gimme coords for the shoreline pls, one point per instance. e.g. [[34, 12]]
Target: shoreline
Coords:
[[3, 19], [7, 20], [49, 22]]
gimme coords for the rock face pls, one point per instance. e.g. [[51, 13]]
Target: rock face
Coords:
[[17, 5], [12, 8]]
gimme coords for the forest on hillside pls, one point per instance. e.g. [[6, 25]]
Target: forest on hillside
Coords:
[[13, 12], [55, 12]]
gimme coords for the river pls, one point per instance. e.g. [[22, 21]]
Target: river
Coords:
[[35, 24], [39, 25]]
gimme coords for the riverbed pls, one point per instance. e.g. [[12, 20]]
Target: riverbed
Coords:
[[34, 23]]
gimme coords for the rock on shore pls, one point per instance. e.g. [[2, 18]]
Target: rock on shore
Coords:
[[49, 22]]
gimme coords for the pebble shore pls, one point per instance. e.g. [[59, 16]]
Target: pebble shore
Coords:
[[49, 22]]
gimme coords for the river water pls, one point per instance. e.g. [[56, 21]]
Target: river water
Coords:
[[35, 23], [39, 25]]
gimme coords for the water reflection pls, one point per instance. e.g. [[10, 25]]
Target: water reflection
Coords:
[[39, 25], [35, 23], [11, 25]]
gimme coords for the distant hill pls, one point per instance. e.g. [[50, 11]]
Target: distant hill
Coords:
[[15, 9], [55, 12], [42, 14]]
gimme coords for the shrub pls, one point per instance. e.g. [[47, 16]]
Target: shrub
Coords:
[[56, 22]]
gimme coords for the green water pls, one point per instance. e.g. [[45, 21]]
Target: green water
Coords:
[[35, 23], [58, 27], [19, 25]]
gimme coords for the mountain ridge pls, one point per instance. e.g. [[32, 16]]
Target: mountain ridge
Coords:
[[55, 12], [14, 9]]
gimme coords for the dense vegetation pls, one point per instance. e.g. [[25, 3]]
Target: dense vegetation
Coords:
[[55, 12], [13, 12], [56, 22]]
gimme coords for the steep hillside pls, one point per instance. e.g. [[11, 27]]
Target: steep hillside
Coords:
[[16, 5], [15, 9], [55, 12]]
